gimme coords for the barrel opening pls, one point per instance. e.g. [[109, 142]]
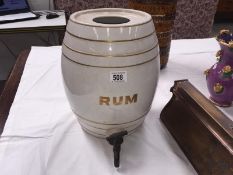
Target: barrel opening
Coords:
[[111, 20]]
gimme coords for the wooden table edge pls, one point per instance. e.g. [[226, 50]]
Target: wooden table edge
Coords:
[[11, 86]]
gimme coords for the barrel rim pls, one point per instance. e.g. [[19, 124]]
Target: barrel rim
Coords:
[[107, 25]]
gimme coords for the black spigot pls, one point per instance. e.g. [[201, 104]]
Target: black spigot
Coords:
[[116, 140]]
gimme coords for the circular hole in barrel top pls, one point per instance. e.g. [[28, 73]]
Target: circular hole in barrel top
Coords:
[[111, 20]]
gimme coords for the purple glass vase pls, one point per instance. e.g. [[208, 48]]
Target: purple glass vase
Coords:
[[220, 76]]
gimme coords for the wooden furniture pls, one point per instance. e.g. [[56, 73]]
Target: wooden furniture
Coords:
[[224, 11], [11, 86], [202, 131], [2, 83]]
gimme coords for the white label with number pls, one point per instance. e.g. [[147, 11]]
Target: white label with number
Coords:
[[118, 76]]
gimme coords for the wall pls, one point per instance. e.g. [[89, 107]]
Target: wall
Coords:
[[41, 4]]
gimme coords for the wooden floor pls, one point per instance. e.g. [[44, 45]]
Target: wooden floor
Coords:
[[2, 82]]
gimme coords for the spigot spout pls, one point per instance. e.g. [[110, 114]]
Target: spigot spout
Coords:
[[116, 140]]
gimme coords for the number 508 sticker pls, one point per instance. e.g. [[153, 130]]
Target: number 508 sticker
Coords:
[[118, 76]]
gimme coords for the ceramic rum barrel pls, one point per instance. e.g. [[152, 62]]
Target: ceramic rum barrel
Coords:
[[110, 68]]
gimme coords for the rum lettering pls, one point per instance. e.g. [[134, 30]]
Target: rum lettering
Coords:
[[116, 101]]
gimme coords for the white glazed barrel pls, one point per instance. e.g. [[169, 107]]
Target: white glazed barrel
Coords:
[[110, 71]]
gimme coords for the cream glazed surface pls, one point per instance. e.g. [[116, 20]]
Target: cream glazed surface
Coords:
[[110, 68]]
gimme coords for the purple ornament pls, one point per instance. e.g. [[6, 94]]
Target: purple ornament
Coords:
[[220, 76]]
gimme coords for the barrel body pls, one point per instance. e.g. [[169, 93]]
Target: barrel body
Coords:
[[110, 71]]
